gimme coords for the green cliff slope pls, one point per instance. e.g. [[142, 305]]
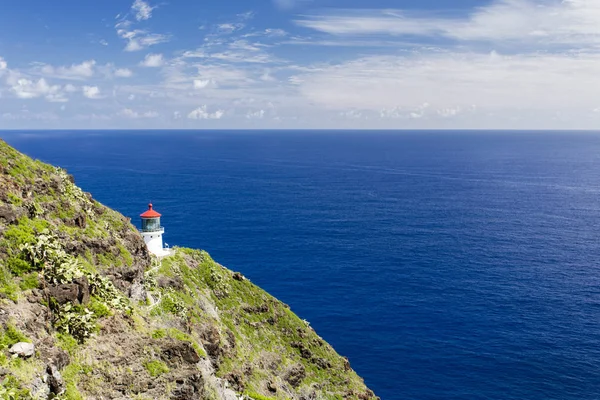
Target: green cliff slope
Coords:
[[108, 321]]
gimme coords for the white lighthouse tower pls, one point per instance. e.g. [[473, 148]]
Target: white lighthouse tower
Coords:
[[152, 232]]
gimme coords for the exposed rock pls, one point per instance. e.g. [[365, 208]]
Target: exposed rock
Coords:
[[238, 276], [170, 282], [321, 363], [176, 352], [55, 380], [11, 214], [146, 351], [77, 292], [189, 388], [80, 221], [236, 380], [23, 349], [137, 292], [263, 308], [211, 339], [347, 364], [40, 388], [304, 351], [295, 374], [52, 354]]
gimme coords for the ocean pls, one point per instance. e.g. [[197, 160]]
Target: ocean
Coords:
[[445, 265]]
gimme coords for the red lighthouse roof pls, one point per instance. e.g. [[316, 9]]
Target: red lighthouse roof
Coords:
[[150, 213]]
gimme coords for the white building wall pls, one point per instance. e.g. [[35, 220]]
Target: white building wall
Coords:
[[154, 242]]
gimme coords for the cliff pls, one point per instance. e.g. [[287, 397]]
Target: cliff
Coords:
[[109, 321]]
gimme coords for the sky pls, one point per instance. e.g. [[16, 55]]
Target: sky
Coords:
[[300, 64]]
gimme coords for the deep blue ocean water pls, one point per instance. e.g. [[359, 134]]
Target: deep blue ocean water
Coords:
[[444, 265]]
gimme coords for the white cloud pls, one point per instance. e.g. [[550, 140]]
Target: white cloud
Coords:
[[29, 89], [142, 10], [103, 42], [70, 88], [138, 39], [546, 22], [153, 61], [3, 64], [247, 15], [129, 113], [201, 83], [255, 114], [275, 32], [91, 92], [450, 83], [229, 27], [123, 73], [74, 72], [202, 113]]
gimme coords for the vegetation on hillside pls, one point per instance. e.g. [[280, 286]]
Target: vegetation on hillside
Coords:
[[110, 321]]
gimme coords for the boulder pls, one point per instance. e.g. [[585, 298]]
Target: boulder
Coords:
[[177, 353], [40, 388], [137, 292], [189, 388], [23, 349], [77, 292], [55, 380], [11, 214]]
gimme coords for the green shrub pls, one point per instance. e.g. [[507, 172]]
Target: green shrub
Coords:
[[30, 281], [98, 308], [14, 199], [8, 287], [159, 334], [18, 266], [11, 335], [11, 390], [170, 304], [77, 321], [67, 342], [156, 368]]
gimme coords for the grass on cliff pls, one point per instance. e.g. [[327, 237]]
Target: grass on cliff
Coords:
[[259, 338], [261, 326]]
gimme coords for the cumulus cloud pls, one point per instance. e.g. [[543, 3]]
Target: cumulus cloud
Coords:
[[153, 61], [80, 71], [31, 89], [129, 113], [123, 73], [91, 92], [142, 10], [201, 83], [3, 64], [255, 114], [202, 113]]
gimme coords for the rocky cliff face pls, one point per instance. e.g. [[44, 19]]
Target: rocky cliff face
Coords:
[[87, 313]]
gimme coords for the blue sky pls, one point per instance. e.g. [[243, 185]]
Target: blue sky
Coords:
[[496, 64]]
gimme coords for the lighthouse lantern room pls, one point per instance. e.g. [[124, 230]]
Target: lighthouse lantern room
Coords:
[[152, 231]]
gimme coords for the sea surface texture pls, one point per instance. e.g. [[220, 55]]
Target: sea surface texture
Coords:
[[444, 265]]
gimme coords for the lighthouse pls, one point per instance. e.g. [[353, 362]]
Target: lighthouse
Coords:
[[152, 231]]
